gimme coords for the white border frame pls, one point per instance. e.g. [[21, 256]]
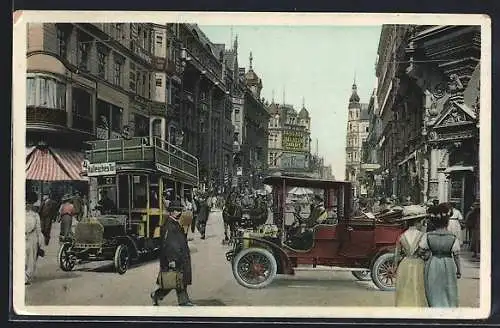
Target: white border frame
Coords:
[[21, 18]]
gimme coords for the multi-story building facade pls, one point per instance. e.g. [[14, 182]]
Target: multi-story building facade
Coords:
[[84, 82], [357, 132], [253, 129], [289, 139], [428, 79]]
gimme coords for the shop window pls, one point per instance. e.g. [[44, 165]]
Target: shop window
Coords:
[[139, 195]]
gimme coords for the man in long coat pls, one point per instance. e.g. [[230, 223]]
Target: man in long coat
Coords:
[[202, 218], [48, 214], [174, 255]]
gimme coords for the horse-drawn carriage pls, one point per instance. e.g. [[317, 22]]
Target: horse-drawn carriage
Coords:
[[365, 245], [131, 176]]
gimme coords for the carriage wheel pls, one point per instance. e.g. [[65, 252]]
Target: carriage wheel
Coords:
[[254, 267], [362, 275], [65, 258], [121, 259], [384, 272]]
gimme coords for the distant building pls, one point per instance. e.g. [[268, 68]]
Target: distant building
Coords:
[[357, 132], [289, 139]]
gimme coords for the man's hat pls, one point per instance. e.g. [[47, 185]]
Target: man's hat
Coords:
[[175, 206]]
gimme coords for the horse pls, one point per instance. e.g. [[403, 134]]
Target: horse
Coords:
[[232, 214]]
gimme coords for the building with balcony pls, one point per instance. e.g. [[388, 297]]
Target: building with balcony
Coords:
[[84, 82], [204, 112], [289, 139], [428, 78], [357, 132]]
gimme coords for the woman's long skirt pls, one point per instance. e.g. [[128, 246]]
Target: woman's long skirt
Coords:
[[441, 286], [410, 289]]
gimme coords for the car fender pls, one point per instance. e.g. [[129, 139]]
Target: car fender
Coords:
[[284, 263], [129, 241], [379, 251]]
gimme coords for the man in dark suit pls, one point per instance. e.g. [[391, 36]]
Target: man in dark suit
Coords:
[[174, 256]]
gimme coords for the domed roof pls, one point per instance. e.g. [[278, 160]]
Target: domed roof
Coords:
[[303, 113], [354, 95], [251, 75]]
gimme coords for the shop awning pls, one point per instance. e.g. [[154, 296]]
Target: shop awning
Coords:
[[52, 164], [457, 168]]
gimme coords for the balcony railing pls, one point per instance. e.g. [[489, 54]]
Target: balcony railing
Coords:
[[46, 115], [155, 150]]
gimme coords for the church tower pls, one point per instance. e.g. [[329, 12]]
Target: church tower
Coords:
[[353, 144]]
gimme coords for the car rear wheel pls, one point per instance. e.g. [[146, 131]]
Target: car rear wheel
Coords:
[[121, 259], [384, 272], [65, 258], [362, 275], [254, 268]]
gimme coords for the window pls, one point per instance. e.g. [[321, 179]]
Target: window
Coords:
[[123, 191], [159, 82], [159, 40], [117, 71], [366, 130], [139, 197], [45, 92], [62, 41], [102, 60], [237, 117], [83, 50], [118, 31], [144, 85], [82, 103], [141, 126], [116, 119]]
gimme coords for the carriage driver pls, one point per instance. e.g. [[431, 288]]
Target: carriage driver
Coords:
[[318, 211]]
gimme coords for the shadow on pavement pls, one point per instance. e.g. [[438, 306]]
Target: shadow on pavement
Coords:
[[108, 267], [56, 276], [326, 283], [209, 302]]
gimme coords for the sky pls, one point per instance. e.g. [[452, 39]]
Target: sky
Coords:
[[314, 64]]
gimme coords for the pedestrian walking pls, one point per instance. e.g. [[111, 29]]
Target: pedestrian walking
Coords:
[[48, 214], [175, 257], [34, 238], [472, 222], [442, 269], [456, 222], [202, 218], [410, 290], [66, 214]]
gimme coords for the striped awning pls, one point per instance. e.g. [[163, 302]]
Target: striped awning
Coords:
[[52, 164]]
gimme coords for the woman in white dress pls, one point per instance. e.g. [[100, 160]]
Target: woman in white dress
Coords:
[[455, 222], [34, 238]]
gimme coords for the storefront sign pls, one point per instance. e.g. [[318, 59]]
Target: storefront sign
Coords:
[[97, 169], [163, 168], [293, 141]]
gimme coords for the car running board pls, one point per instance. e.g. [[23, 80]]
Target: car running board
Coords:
[[328, 268]]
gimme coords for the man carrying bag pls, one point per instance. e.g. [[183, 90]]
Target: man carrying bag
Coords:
[[175, 259]]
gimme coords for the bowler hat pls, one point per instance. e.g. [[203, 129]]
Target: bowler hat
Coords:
[[175, 205]]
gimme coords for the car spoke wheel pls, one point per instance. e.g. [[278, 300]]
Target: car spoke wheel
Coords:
[[362, 275], [121, 260], [384, 272], [66, 260], [254, 267]]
